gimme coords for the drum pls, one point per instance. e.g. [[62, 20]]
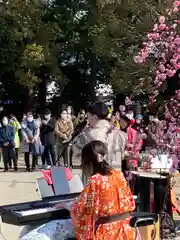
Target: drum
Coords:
[[152, 190]]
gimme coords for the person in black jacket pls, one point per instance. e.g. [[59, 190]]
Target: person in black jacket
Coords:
[[48, 138], [7, 144]]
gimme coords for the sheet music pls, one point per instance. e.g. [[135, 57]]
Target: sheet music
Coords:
[[75, 184], [60, 182]]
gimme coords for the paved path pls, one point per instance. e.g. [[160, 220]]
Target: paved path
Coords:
[[15, 188]]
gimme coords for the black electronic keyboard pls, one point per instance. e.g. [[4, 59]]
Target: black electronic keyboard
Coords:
[[36, 212]]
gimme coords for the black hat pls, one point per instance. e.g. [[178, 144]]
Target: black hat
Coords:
[[99, 109], [46, 112]]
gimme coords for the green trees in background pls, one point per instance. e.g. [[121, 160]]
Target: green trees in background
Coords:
[[75, 44]]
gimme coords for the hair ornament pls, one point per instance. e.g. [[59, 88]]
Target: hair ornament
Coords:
[[100, 158]]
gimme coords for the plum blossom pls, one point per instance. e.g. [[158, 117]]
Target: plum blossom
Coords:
[[163, 45], [162, 68], [138, 59], [128, 101], [162, 19], [122, 108], [177, 3]]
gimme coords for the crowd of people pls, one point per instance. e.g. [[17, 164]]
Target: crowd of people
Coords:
[[42, 137], [48, 138], [108, 145]]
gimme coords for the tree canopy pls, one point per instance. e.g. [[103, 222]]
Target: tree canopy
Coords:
[[76, 44]]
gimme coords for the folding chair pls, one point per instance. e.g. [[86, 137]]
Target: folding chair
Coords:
[[137, 220]]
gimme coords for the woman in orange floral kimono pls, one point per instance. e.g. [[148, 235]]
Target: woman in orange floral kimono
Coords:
[[106, 194]]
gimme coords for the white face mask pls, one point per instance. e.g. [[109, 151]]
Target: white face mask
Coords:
[[69, 110], [47, 116], [155, 120], [30, 118], [138, 121], [64, 116], [109, 116], [11, 121], [5, 121]]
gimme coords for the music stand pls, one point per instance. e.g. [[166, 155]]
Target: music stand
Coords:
[[43, 188]]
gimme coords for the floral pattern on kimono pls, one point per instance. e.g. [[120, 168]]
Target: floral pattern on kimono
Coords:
[[103, 196]]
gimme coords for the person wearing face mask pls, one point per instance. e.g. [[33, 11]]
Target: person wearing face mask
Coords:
[[138, 122], [16, 125], [132, 146], [7, 144], [24, 117], [70, 114], [47, 134], [80, 118], [155, 132], [139, 119], [30, 133], [63, 129]]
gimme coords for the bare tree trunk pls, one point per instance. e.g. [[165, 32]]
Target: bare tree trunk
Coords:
[[28, 100]]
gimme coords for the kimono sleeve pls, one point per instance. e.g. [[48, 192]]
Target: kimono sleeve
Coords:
[[127, 203], [84, 210]]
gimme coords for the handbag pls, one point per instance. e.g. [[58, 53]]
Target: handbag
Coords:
[[37, 149], [167, 224], [167, 228], [11, 144]]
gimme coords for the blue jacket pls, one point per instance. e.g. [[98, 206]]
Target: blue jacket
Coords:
[[6, 135]]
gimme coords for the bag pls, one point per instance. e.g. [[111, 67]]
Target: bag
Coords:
[[24, 147], [11, 144], [167, 226], [37, 149]]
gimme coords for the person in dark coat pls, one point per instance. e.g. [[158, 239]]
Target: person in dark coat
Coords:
[[30, 135], [7, 144], [47, 135]]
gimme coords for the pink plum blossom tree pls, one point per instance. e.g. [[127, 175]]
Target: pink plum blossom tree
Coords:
[[163, 47]]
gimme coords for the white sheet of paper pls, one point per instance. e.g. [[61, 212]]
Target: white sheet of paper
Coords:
[[75, 184]]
